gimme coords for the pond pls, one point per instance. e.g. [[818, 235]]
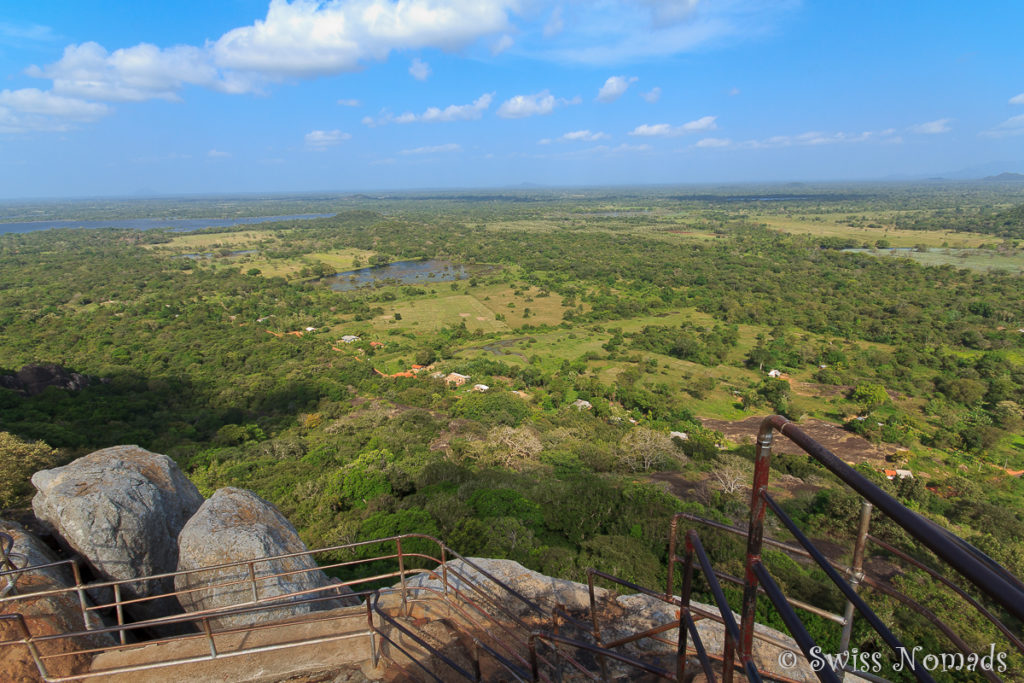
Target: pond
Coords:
[[402, 272]]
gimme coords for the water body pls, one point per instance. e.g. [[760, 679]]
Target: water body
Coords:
[[501, 348], [176, 224], [402, 272]]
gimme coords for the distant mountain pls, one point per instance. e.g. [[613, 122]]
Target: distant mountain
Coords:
[[983, 170], [1006, 177]]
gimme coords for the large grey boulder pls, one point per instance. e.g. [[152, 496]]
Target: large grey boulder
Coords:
[[236, 525], [29, 551], [52, 613], [541, 590], [121, 508]]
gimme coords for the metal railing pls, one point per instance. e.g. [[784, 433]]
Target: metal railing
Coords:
[[516, 634], [1004, 590]]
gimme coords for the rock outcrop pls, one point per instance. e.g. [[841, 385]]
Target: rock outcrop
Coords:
[[33, 379], [237, 525], [623, 615], [122, 509], [43, 615]]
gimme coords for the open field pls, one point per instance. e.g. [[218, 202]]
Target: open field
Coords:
[[825, 226], [971, 259], [196, 242], [430, 314], [339, 260], [543, 310]]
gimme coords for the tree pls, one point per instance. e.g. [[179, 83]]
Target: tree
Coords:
[[513, 447], [643, 449], [869, 395], [19, 460]]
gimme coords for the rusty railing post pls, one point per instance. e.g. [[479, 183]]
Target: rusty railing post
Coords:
[[755, 535], [373, 630], [684, 609], [209, 637], [401, 573], [80, 589], [856, 574], [670, 584], [252, 582], [120, 612], [597, 626], [534, 665]]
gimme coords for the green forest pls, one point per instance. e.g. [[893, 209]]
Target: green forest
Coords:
[[620, 337]]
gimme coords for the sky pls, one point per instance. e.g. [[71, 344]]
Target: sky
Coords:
[[155, 98]]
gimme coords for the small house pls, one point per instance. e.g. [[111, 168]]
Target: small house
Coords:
[[581, 404], [682, 436], [350, 338], [480, 387], [904, 474], [774, 373], [456, 379]]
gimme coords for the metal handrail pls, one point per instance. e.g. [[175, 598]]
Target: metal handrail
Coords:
[[967, 560]]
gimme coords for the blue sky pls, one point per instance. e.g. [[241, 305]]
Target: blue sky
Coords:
[[346, 95]]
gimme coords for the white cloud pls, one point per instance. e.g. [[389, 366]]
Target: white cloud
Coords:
[[459, 112], [555, 23], [30, 109], [1011, 126], [632, 148], [310, 37], [217, 154], [583, 136], [665, 130], [931, 127], [733, 92], [320, 140], [20, 33], [522, 106], [808, 139], [713, 142], [419, 69], [1017, 99], [502, 44], [453, 112], [302, 38], [349, 103], [614, 87], [615, 32], [652, 95], [537, 104], [435, 149], [134, 74], [668, 12]]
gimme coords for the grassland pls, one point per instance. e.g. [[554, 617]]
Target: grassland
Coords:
[[825, 225]]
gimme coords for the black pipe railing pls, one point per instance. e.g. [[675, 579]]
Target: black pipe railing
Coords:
[[972, 564]]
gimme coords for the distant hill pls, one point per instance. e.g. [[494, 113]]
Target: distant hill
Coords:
[[1006, 177]]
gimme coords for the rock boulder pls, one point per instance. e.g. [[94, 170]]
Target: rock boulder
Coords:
[[237, 525], [121, 508], [43, 615], [33, 379]]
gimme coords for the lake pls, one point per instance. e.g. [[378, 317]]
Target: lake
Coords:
[[404, 272], [176, 224]]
